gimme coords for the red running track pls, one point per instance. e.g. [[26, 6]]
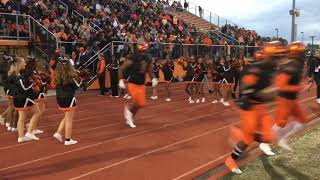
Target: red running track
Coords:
[[173, 140]]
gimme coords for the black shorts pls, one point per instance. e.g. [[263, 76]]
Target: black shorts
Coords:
[[156, 74], [226, 81], [67, 103], [41, 97], [22, 103], [168, 78], [200, 78], [188, 78]]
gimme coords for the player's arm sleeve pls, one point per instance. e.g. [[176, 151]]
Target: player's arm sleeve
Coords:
[[248, 81], [282, 82]]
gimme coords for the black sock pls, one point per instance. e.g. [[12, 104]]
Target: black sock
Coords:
[[238, 150], [258, 137], [68, 139]]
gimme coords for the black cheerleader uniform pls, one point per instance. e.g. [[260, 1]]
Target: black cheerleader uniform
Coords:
[[167, 70], [9, 86], [216, 74], [65, 95], [200, 71], [226, 74], [23, 93], [190, 71], [156, 70], [41, 95]]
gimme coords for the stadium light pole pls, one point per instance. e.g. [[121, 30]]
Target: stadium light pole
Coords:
[[302, 36], [277, 32], [312, 37], [294, 13]]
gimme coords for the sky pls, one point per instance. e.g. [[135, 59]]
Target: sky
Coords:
[[266, 15]]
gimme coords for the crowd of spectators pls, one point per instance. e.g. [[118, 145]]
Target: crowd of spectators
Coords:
[[123, 20]]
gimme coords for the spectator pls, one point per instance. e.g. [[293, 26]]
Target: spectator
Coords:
[[82, 57], [114, 79], [200, 11], [101, 67], [185, 5]]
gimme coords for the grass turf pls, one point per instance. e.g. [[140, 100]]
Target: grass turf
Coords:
[[302, 164]]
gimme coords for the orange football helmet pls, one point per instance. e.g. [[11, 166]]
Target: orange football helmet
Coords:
[[296, 49], [274, 49], [259, 55]]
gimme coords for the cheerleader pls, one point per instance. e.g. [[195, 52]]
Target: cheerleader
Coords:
[[200, 72], [237, 67], [22, 100], [114, 78], [189, 68], [10, 114], [67, 84], [216, 79], [156, 71], [39, 95], [52, 66], [226, 80], [167, 68]]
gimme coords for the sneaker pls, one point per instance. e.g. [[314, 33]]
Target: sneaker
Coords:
[[214, 102], [128, 117], [221, 100], [1, 120], [203, 100], [71, 142], [226, 103], [31, 136], [130, 124], [125, 96], [198, 101], [9, 128], [14, 129], [128, 97], [7, 124], [318, 100], [284, 144], [154, 97], [232, 165], [168, 99], [191, 101], [23, 139], [37, 131], [266, 148], [58, 136]]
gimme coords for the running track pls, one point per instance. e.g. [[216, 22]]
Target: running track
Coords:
[[172, 140]]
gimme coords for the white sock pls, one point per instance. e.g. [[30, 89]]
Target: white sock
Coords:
[[296, 127]]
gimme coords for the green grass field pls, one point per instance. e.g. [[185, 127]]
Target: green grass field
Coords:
[[302, 164]]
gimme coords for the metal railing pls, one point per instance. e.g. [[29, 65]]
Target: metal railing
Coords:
[[25, 27], [207, 15], [91, 64], [78, 15], [65, 6], [221, 35], [82, 18], [176, 50]]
